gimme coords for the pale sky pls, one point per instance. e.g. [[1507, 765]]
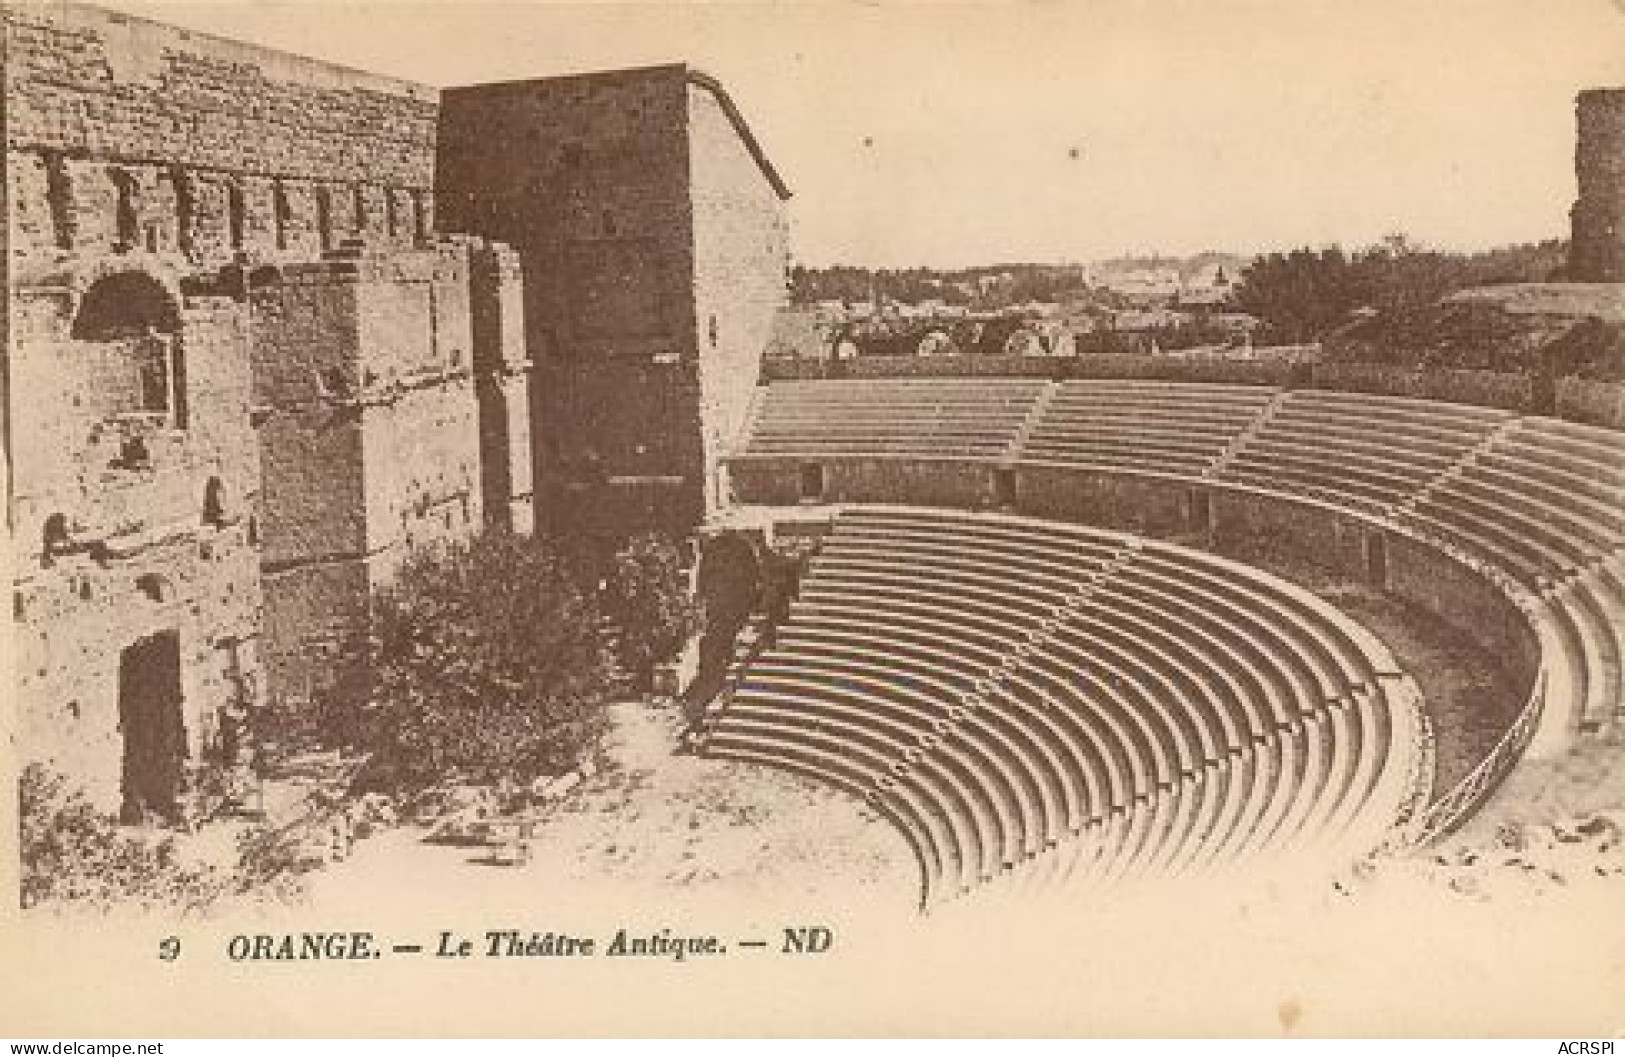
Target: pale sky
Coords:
[[953, 134]]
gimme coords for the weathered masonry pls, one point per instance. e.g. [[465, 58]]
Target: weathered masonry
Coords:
[[1597, 250], [651, 229], [249, 367]]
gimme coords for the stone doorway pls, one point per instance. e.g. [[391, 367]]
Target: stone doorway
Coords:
[[1376, 559], [149, 709], [1004, 488]]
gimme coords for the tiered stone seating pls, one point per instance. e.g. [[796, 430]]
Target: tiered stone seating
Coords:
[[1196, 659], [1064, 703], [1142, 426], [1367, 453], [934, 417], [1542, 501], [1587, 617]]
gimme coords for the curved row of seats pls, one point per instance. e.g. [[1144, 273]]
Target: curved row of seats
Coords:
[[1587, 618], [1538, 504], [1024, 695], [1539, 498], [1369, 452], [1543, 500], [1154, 427], [921, 417]]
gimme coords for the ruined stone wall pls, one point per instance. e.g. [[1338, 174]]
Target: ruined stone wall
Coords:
[[641, 220], [309, 610], [370, 438], [337, 382], [1597, 249], [73, 620], [741, 256], [305, 334], [625, 419], [420, 441], [587, 178], [162, 542], [141, 160], [125, 134], [502, 386], [79, 404]]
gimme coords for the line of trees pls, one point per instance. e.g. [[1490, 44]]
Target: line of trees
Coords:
[[1305, 294], [994, 286]]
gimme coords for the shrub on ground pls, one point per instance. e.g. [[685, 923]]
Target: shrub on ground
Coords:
[[487, 663]]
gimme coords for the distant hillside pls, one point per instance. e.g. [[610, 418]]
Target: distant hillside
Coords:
[[991, 285], [1187, 267]]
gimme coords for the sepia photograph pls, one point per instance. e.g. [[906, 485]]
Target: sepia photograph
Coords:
[[1020, 518]]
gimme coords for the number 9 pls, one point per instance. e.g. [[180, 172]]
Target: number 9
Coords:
[[169, 948]]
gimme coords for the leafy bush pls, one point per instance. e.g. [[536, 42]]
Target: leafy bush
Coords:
[[487, 663], [646, 596], [73, 854]]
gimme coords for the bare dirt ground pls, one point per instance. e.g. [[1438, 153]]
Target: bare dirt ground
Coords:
[[655, 828], [1469, 702], [1552, 825]]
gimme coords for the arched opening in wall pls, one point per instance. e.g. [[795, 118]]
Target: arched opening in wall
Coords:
[[391, 213], [125, 305], [154, 587], [140, 363], [236, 215], [359, 208], [214, 503], [934, 343]]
